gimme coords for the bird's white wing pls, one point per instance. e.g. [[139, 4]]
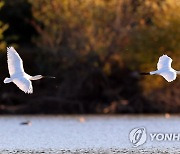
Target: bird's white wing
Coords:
[[24, 84], [169, 75], [15, 63], [164, 62]]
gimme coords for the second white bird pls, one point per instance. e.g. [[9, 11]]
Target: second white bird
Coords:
[[164, 69]]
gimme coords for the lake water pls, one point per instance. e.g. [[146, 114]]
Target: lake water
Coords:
[[84, 132]]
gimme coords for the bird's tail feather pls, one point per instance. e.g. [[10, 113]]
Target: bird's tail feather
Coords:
[[7, 80]]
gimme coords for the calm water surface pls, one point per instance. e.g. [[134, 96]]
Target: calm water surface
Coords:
[[76, 132]]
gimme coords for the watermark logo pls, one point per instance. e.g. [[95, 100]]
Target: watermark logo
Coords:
[[138, 136]]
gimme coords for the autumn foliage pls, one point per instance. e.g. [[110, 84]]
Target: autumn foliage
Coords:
[[95, 48]]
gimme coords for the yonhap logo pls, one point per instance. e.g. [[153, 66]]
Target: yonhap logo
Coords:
[[138, 136]]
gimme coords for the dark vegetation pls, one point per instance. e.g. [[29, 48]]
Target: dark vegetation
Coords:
[[95, 48]]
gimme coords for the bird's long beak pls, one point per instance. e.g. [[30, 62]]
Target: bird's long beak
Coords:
[[144, 73], [51, 77]]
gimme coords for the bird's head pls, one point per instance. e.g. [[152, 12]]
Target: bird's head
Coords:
[[178, 72], [37, 77]]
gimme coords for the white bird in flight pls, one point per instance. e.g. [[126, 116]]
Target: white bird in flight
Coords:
[[17, 74], [164, 69]]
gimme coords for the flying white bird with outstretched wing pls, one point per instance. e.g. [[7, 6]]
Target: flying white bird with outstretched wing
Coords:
[[17, 74], [164, 69]]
